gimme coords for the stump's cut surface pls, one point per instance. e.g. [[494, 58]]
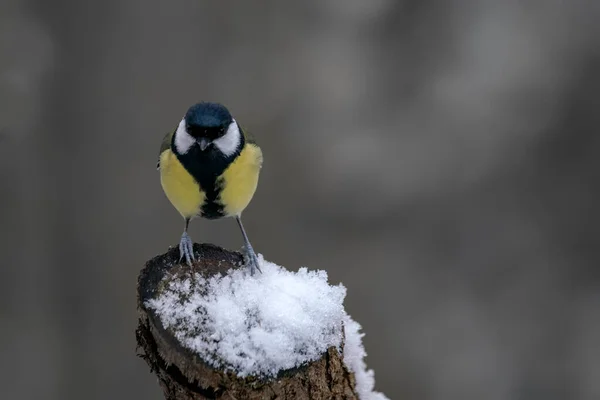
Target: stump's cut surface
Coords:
[[184, 376]]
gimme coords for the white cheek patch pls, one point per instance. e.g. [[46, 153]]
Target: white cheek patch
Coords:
[[183, 140], [229, 142]]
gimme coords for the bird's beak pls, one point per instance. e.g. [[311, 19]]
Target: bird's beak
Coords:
[[203, 143]]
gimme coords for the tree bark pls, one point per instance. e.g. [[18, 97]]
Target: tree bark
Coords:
[[184, 376]]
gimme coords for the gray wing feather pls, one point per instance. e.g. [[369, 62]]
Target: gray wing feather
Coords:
[[166, 144]]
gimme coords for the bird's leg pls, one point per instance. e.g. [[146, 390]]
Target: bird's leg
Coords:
[[251, 259], [186, 246]]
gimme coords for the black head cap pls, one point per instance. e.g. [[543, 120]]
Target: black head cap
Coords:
[[207, 120]]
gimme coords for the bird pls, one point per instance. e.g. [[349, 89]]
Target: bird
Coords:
[[209, 167]]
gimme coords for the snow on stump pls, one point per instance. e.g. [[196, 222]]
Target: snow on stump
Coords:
[[213, 331]]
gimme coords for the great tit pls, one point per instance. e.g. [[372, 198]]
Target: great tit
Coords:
[[209, 168]]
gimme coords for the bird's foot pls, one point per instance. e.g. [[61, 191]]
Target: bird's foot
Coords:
[[251, 260], [186, 249]]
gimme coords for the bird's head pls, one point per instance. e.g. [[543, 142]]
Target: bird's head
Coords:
[[209, 126]]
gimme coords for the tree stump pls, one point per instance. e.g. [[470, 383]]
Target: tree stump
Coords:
[[184, 376]]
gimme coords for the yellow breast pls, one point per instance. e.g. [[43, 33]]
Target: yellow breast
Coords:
[[240, 180], [181, 188]]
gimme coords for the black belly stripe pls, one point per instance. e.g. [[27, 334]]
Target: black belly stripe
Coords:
[[207, 167], [212, 207]]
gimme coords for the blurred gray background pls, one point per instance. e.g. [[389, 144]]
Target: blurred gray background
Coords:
[[440, 158]]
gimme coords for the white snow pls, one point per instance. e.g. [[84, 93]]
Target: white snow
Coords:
[[260, 325], [354, 353]]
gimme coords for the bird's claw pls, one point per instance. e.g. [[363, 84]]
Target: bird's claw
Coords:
[[251, 260], [186, 249]]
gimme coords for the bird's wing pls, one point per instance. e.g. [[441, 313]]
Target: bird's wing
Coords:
[[166, 144], [247, 135]]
